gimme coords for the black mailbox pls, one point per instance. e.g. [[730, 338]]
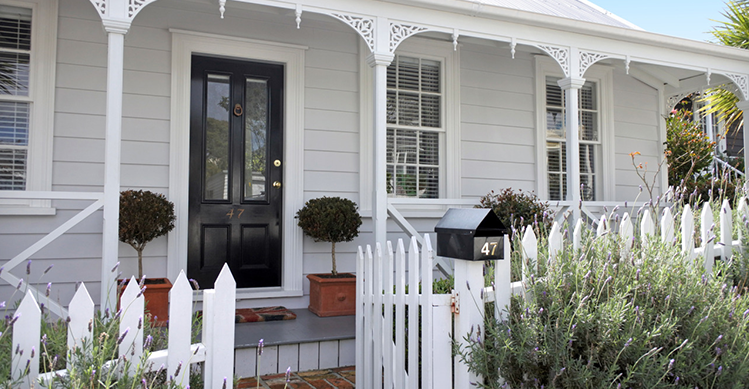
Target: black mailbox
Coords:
[[473, 234]]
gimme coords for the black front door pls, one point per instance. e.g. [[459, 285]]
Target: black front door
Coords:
[[236, 150]]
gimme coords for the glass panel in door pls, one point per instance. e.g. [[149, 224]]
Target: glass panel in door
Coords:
[[217, 138], [255, 140]]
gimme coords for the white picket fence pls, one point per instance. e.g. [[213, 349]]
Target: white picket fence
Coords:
[[392, 300], [216, 349]]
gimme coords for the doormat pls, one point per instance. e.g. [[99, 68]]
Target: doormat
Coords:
[[250, 315]]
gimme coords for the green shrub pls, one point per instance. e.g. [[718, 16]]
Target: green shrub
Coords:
[[517, 209], [330, 219], [598, 319], [144, 216], [688, 150]]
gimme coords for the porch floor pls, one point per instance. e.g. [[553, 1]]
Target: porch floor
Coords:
[[338, 378], [307, 327]]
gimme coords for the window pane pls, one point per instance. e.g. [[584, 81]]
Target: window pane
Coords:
[[430, 76], [12, 169], [588, 98], [14, 74], [408, 73], [429, 148], [15, 28], [392, 108], [14, 123], [255, 135], [589, 126], [555, 123], [217, 138], [413, 163], [429, 183], [430, 111], [554, 95], [408, 109]]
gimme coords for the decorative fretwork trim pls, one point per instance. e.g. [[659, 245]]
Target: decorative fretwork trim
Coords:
[[741, 81], [587, 59], [364, 26], [399, 33], [101, 6], [560, 54], [675, 99], [134, 6]]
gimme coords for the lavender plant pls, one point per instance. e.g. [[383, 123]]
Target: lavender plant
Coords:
[[599, 318]]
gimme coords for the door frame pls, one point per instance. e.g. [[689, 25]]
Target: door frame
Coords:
[[184, 45]]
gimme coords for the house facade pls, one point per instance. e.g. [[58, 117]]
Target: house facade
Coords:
[[241, 110]]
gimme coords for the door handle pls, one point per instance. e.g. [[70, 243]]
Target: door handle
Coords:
[[276, 184]]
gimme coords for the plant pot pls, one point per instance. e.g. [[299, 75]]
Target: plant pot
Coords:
[[332, 295], [156, 297]]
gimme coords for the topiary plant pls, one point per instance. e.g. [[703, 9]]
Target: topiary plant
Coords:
[[517, 208], [330, 219], [144, 216]]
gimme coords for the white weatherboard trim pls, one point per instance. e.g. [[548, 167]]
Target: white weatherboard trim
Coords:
[[449, 138], [42, 97], [604, 78], [184, 44]]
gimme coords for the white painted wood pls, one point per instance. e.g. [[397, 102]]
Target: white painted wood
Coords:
[[288, 357], [726, 230], [626, 232], [687, 231], [555, 242], [400, 316], [180, 327], [329, 354], [81, 312], [442, 372], [427, 314], [502, 281], [376, 277], [222, 317], [26, 335], [246, 362], [530, 250], [413, 314], [346, 351], [707, 228], [309, 354], [369, 334], [389, 329], [209, 296], [603, 226], [667, 226], [469, 281], [132, 303], [743, 215], [647, 226], [361, 317], [577, 235], [267, 363]]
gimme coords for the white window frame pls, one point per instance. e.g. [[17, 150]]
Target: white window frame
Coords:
[[603, 77], [449, 148], [42, 103]]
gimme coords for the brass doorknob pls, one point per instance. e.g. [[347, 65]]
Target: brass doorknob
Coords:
[[276, 184]]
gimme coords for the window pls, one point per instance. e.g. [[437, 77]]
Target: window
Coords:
[[28, 31], [15, 55], [415, 124], [590, 140]]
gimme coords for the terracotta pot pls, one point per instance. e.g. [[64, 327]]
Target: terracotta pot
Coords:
[[156, 297], [332, 295]]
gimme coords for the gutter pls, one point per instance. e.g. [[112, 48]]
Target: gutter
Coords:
[[477, 8]]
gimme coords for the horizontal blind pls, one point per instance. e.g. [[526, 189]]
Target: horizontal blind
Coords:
[[15, 55]]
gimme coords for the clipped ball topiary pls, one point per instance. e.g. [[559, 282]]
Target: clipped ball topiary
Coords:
[[330, 219], [144, 216]]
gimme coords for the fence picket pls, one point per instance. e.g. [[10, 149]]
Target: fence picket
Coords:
[[26, 336], [131, 323], [361, 318], [81, 312], [667, 225], [222, 318], [726, 230], [706, 233], [647, 226], [376, 278], [369, 335], [389, 352], [577, 235], [427, 317], [180, 328], [400, 316], [502, 283], [413, 314], [530, 250], [603, 226], [555, 242], [687, 231], [626, 232], [743, 215]]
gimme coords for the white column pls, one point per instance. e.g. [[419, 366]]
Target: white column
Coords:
[[380, 63], [744, 107], [115, 62], [571, 87]]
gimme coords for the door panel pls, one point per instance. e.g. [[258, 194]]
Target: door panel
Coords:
[[236, 133]]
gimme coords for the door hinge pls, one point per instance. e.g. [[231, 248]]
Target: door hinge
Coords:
[[455, 302]]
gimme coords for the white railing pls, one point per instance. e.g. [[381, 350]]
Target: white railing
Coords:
[[216, 349], [98, 202], [724, 169], [391, 300]]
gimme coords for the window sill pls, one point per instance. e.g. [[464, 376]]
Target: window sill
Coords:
[[27, 211]]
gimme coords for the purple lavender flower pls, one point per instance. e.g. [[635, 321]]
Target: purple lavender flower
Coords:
[[48, 268], [28, 267], [288, 374], [122, 337], [629, 341], [670, 364], [260, 348], [20, 283]]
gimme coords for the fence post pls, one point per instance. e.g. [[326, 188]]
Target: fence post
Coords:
[[469, 282], [26, 335], [502, 283]]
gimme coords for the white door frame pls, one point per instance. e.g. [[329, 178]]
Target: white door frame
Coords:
[[184, 44]]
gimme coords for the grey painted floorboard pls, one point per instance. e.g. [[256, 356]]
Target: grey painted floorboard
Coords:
[[307, 327]]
